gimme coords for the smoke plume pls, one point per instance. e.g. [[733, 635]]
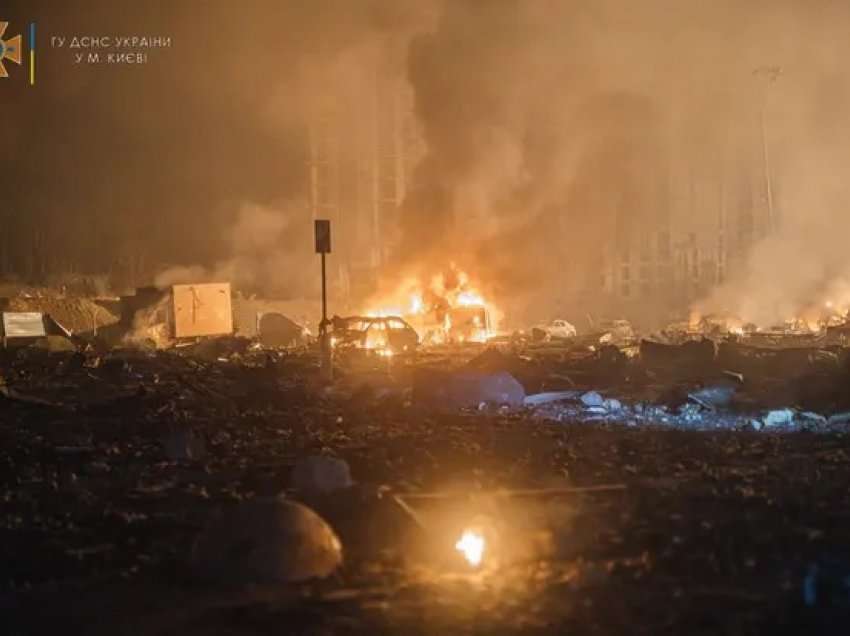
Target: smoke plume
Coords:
[[562, 135], [561, 139], [269, 252]]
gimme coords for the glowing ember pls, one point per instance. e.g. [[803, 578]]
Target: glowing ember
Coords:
[[471, 545]]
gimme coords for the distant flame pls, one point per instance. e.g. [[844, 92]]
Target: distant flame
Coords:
[[471, 544], [814, 317]]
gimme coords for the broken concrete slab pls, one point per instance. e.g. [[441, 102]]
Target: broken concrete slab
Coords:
[[839, 419], [592, 398], [465, 389], [267, 540], [612, 405], [717, 396], [551, 396], [780, 417]]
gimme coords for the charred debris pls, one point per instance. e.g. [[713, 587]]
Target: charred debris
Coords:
[[165, 447], [701, 376]]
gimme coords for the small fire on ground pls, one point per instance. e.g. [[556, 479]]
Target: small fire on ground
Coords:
[[472, 545]]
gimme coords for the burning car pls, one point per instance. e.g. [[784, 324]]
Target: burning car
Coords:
[[448, 311], [467, 323], [386, 335]]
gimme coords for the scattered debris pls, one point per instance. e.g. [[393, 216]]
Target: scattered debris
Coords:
[[616, 332], [184, 445], [839, 419], [692, 357], [321, 475], [713, 397]]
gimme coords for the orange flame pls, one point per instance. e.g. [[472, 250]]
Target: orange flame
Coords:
[[449, 309]]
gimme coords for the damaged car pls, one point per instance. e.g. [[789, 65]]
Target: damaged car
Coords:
[[557, 329], [386, 335]]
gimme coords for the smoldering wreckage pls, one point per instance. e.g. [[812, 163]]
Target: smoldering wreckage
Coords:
[[513, 481]]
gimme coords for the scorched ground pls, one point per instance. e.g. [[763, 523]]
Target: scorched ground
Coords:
[[113, 464]]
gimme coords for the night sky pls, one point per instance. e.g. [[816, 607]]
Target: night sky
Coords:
[[103, 161], [560, 123]]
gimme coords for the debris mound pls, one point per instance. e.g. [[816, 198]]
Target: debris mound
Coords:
[[267, 540]]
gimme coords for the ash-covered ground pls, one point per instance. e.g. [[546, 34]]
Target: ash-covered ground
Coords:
[[728, 512]]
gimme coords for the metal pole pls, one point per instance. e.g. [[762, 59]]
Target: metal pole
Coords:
[[326, 368], [324, 298], [771, 75]]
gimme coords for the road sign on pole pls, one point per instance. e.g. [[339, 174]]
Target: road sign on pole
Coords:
[[323, 236]]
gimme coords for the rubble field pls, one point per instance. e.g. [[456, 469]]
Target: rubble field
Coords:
[[687, 489]]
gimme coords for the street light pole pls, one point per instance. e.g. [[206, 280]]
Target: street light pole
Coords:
[[771, 221], [771, 73]]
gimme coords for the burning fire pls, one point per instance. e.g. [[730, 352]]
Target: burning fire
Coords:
[[449, 309], [416, 304], [472, 545], [469, 299], [812, 319]]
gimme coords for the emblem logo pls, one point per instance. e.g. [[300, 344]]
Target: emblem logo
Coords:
[[9, 49]]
